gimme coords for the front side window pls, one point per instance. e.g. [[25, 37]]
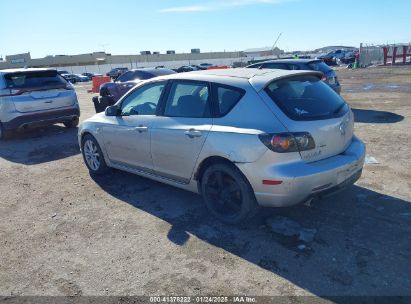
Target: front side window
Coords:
[[188, 99], [143, 101], [306, 97]]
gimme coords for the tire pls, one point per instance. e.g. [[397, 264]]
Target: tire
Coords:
[[72, 123], [93, 156], [227, 194]]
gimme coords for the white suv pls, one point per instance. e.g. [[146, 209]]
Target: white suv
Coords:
[[31, 97]]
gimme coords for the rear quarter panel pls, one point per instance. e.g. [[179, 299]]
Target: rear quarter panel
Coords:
[[235, 136]]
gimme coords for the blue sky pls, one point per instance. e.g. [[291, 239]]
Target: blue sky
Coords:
[[49, 27]]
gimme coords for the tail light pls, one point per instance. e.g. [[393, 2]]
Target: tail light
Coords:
[[288, 142], [323, 78]]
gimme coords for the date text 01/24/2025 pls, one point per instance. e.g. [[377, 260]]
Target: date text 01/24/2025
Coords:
[[202, 299]]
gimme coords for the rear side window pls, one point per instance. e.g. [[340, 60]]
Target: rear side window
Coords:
[[293, 66], [319, 66], [188, 99], [227, 97], [34, 80], [272, 65], [306, 98]]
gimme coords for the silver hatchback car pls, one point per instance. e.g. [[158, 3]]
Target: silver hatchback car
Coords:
[[31, 97], [242, 138]]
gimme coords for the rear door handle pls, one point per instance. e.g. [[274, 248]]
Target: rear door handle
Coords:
[[193, 133], [141, 128]]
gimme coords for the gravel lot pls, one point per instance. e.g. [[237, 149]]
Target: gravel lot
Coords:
[[64, 233]]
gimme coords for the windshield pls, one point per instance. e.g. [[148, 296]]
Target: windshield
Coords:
[[306, 98]]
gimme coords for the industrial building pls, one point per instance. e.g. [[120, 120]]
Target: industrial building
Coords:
[[101, 62]]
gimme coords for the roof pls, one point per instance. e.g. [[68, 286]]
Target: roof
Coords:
[[155, 71], [258, 78], [26, 70], [289, 61]]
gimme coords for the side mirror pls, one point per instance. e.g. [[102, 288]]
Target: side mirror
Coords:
[[112, 111]]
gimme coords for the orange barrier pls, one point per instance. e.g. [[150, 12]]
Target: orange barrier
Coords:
[[218, 67], [98, 81]]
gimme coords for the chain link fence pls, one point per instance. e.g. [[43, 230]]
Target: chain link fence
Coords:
[[371, 54]]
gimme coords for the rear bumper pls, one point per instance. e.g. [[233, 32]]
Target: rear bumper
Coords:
[[302, 181], [42, 118]]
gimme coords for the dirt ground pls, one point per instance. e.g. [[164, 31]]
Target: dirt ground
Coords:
[[65, 233]]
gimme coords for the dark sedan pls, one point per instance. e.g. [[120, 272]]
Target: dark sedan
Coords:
[[330, 77], [110, 92]]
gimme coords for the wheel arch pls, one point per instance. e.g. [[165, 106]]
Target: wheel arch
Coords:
[[207, 162]]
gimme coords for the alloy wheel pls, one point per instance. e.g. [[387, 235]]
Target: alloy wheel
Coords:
[[224, 193], [92, 155]]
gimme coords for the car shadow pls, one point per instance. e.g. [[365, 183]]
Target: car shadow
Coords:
[[374, 116], [361, 246], [40, 145]]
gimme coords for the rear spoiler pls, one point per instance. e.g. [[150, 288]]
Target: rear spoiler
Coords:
[[259, 82]]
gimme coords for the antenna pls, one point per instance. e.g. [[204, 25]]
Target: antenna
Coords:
[[275, 43]]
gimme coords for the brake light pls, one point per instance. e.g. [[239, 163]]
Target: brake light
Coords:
[[323, 78], [288, 142]]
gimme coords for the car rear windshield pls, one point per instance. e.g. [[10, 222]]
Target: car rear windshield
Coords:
[[306, 97], [34, 80], [319, 66]]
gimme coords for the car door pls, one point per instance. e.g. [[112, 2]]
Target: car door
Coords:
[[178, 135], [127, 136]]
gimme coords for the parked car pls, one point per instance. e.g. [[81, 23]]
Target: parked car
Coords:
[[348, 58], [185, 68], [242, 138], [110, 92], [116, 72], [69, 77], [81, 78], [330, 76], [196, 67], [332, 58], [31, 97], [91, 75], [205, 66]]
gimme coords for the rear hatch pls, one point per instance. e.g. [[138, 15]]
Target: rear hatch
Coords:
[[309, 105], [329, 73], [39, 90]]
